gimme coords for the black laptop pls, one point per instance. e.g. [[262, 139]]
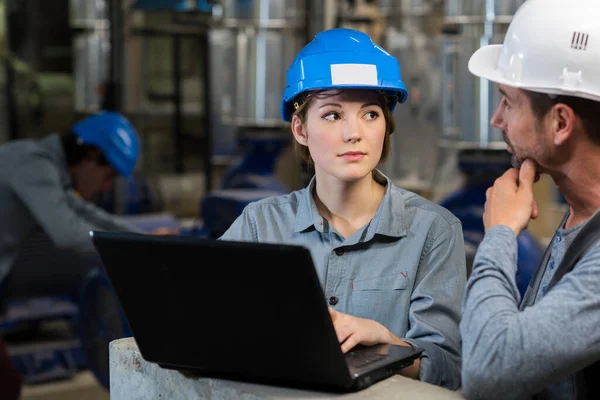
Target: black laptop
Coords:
[[236, 310]]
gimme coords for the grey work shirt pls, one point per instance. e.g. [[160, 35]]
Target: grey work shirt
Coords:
[[405, 269], [512, 354], [35, 191]]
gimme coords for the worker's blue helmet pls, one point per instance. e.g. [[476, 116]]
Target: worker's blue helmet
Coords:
[[345, 59], [112, 133]]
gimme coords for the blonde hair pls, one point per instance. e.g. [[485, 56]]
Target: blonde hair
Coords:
[[306, 101]]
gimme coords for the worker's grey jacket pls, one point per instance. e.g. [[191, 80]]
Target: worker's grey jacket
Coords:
[[540, 351], [35, 191]]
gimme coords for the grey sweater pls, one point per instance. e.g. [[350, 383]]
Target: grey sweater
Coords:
[[35, 192], [512, 354]]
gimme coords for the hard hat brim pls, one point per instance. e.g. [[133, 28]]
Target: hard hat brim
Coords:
[[484, 64]]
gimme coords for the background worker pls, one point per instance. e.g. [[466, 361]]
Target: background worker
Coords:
[[49, 185]]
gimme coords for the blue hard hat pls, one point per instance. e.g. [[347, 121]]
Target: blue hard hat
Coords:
[[342, 58], [112, 133]]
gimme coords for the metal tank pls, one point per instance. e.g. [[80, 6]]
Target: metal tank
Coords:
[[481, 11], [256, 41], [412, 30], [91, 46], [88, 14], [468, 102], [409, 9], [261, 37]]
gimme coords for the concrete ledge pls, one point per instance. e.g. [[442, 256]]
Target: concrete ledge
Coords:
[[133, 378]]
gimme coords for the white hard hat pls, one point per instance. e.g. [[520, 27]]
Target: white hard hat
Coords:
[[552, 46]]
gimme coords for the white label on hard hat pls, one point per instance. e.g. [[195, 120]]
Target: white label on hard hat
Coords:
[[354, 74]]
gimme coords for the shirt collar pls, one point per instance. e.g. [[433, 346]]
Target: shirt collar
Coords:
[[389, 220]]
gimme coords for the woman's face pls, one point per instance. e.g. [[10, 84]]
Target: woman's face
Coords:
[[344, 132]]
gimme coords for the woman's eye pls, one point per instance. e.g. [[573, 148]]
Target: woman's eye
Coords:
[[331, 116], [371, 115]]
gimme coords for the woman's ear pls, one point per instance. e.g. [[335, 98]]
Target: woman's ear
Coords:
[[298, 130]]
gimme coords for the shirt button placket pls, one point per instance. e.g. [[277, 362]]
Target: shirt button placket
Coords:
[[333, 300]]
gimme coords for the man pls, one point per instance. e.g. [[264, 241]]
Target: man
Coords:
[[548, 70], [48, 185]]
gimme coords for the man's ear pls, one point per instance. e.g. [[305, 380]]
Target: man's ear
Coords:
[[563, 123], [299, 131]]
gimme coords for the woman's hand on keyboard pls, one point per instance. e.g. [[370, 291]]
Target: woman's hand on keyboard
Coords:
[[352, 331]]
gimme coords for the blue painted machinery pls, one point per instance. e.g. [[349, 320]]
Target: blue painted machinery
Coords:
[[37, 322], [480, 168], [54, 336], [251, 179], [256, 169], [39, 353], [100, 321], [173, 5]]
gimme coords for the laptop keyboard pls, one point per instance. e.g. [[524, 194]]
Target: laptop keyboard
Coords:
[[358, 359]]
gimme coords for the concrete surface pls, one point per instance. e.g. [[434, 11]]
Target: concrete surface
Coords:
[[133, 378]]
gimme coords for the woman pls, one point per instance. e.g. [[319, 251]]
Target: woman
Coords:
[[391, 263]]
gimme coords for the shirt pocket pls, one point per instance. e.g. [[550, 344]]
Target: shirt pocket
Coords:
[[384, 299], [380, 283]]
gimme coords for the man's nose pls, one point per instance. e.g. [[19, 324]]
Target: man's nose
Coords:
[[497, 119]]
